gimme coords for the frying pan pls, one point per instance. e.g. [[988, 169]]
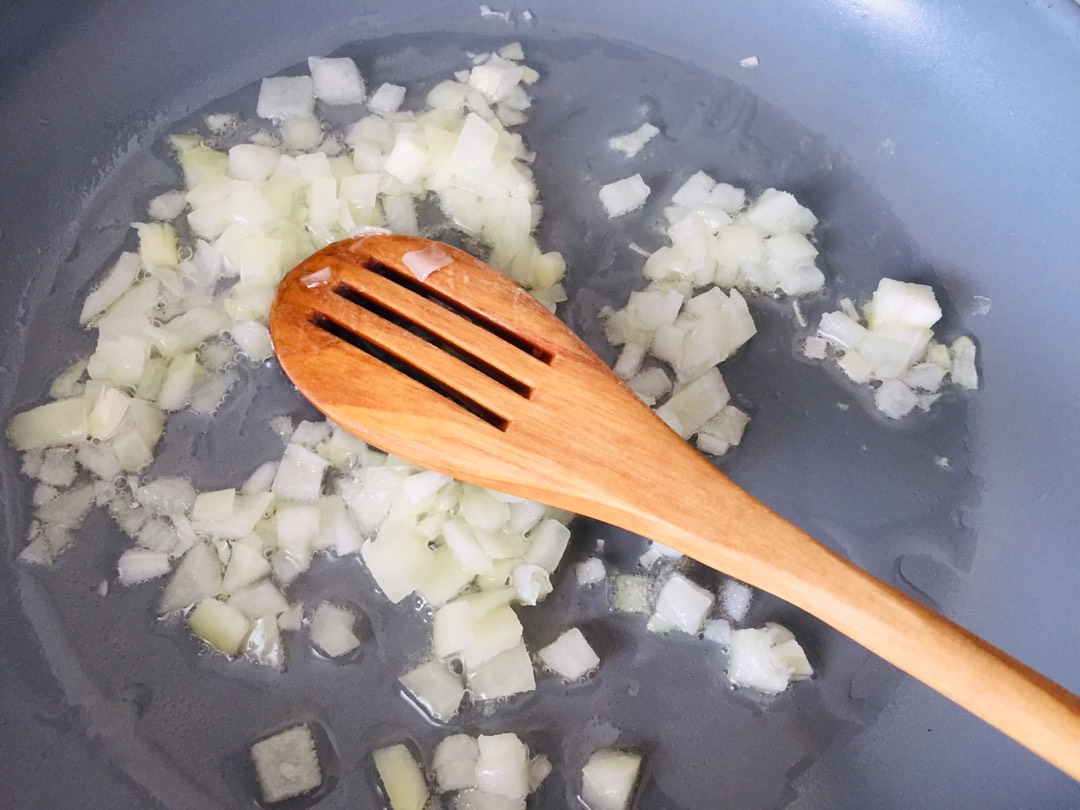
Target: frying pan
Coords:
[[936, 141]]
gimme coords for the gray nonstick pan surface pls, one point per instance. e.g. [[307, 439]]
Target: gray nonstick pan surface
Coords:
[[936, 141]]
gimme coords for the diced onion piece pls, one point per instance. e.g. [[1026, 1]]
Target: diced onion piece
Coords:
[[407, 160], [57, 467], [476, 143], [437, 688], [261, 599], [473, 799], [777, 211], [718, 631], [300, 474], [336, 80], [263, 644], [624, 196], [548, 542], [454, 762], [250, 161], [495, 78], [609, 778], [399, 559], [68, 383], [117, 281], [856, 367], [735, 599], [179, 380], [633, 593], [246, 565], [261, 479], [55, 423], [157, 245], [253, 339], [492, 633], [903, 303], [963, 370], [331, 630], [286, 765], [816, 348], [570, 656], [215, 505], [629, 362], [424, 262], [590, 571], [240, 521], [166, 206], [531, 583], [221, 626], [894, 399], [539, 770], [630, 143], [502, 765], [138, 565], [841, 331], [695, 403], [401, 777], [766, 659], [683, 603], [925, 376], [387, 99], [451, 629], [197, 576], [285, 97], [508, 673]]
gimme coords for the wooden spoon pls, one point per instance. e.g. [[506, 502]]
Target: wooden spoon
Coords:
[[467, 374]]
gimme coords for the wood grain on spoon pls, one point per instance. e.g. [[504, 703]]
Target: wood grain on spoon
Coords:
[[466, 374]]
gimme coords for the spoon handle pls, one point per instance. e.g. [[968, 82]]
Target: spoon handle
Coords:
[[782, 559]]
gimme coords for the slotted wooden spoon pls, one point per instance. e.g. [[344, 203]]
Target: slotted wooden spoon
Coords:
[[466, 374]]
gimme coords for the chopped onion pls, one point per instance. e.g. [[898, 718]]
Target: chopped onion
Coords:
[[477, 799], [286, 764], [590, 571], [630, 143], [766, 659], [437, 688], [508, 673], [299, 475], [246, 565], [263, 644], [286, 97], [331, 630], [683, 604], [502, 765], [454, 762], [548, 543], [55, 423], [387, 99], [197, 576], [263, 598], [609, 778], [424, 262], [633, 593], [735, 599], [138, 565], [531, 583], [116, 282], [963, 370], [718, 631], [570, 656], [624, 196], [336, 81], [221, 626], [402, 779]]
